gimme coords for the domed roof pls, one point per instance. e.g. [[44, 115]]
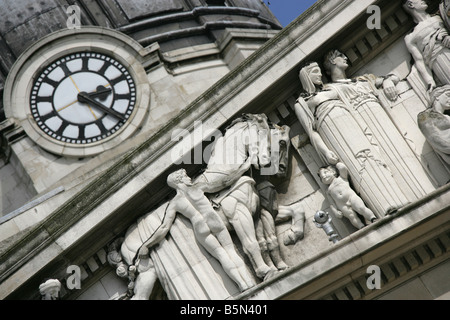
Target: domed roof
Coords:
[[174, 24]]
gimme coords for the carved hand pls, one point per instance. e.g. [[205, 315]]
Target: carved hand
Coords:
[[446, 41], [390, 89], [143, 252], [431, 86], [337, 213], [331, 157], [292, 236]]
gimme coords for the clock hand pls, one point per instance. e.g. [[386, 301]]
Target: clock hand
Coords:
[[84, 97], [101, 92]]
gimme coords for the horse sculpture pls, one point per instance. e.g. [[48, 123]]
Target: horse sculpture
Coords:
[[246, 142], [249, 142]]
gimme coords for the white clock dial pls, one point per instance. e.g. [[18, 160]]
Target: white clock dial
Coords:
[[83, 98]]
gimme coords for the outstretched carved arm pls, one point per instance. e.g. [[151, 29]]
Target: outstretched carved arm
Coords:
[[161, 231]]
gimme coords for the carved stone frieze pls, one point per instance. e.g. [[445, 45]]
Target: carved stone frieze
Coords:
[[346, 122], [234, 203], [232, 228]]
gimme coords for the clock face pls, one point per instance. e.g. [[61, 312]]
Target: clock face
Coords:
[[83, 98]]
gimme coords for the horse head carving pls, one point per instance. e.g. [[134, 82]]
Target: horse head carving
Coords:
[[250, 140]]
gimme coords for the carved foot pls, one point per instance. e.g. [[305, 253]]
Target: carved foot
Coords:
[[394, 210], [293, 236], [281, 265], [372, 220], [278, 261], [263, 271], [271, 274], [243, 286]]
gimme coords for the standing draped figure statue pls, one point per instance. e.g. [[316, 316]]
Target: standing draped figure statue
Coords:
[[435, 123], [346, 122], [429, 44]]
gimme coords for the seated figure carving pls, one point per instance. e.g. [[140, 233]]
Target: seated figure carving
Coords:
[[435, 123]]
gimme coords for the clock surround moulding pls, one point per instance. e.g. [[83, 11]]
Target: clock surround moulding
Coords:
[[94, 42]]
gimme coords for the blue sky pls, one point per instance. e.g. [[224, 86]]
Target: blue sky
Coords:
[[288, 10]]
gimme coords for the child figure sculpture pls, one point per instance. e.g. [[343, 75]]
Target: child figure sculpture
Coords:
[[344, 202]]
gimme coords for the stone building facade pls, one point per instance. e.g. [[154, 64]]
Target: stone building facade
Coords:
[[187, 71]]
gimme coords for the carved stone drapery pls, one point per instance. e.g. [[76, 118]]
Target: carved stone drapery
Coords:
[[435, 123], [348, 119], [444, 9]]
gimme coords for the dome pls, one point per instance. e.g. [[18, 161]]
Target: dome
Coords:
[[174, 24]]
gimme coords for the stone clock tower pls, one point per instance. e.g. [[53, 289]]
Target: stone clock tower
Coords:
[[145, 59]]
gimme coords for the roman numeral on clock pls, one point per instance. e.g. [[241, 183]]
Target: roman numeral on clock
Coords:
[[44, 99]]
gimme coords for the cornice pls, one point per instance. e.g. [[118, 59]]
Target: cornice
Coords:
[[383, 243]]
